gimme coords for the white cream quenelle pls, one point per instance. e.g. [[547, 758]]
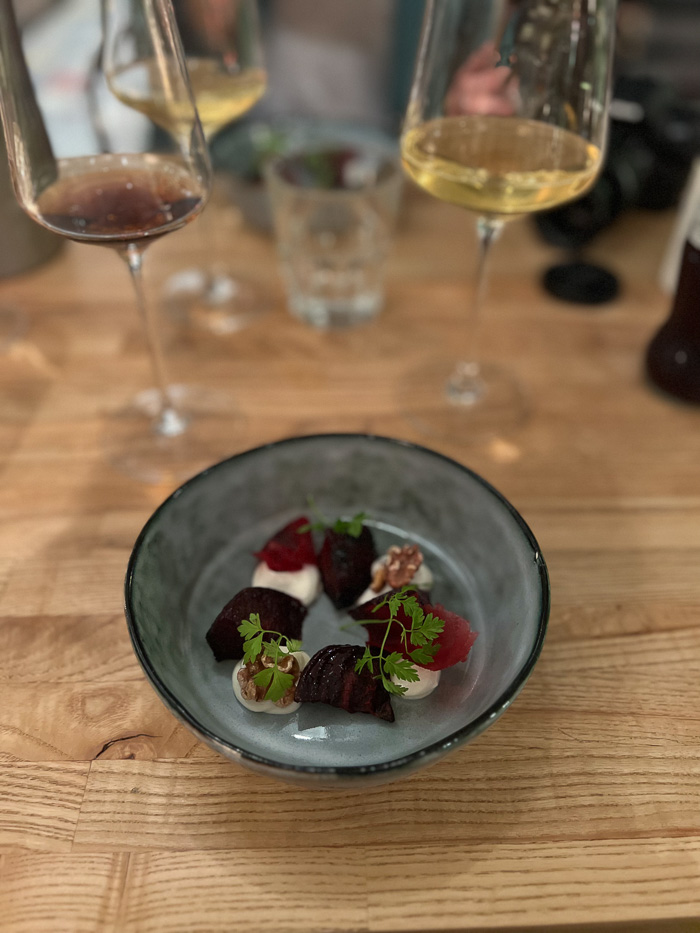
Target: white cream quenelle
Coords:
[[304, 584], [266, 706], [423, 687]]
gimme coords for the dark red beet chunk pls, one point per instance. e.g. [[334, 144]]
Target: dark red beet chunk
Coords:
[[278, 612], [345, 563], [456, 638], [289, 549], [330, 677]]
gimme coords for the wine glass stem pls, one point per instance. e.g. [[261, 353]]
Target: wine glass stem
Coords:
[[209, 238], [168, 422], [466, 386]]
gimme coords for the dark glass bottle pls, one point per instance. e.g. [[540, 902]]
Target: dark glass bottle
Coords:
[[673, 357]]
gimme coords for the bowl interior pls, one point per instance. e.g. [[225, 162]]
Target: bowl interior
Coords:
[[197, 552]]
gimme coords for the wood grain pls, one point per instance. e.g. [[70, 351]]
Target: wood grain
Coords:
[[61, 893], [39, 804], [631, 779], [556, 884], [578, 811]]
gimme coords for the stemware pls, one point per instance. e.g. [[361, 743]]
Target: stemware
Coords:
[[221, 39], [507, 116], [123, 187]]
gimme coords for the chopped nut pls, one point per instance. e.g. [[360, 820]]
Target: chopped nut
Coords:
[[402, 564], [249, 689], [379, 578], [288, 664], [288, 698]]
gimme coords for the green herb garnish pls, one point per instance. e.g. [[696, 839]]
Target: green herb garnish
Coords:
[[341, 526], [422, 636], [258, 641]]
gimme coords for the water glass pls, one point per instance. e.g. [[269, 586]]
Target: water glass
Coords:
[[334, 210]]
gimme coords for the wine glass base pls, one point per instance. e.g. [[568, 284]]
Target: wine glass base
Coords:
[[464, 411], [213, 300], [213, 430], [13, 325]]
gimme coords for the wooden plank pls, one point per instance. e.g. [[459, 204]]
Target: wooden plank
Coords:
[[79, 722], [500, 886], [478, 887], [41, 892], [265, 890], [52, 649], [522, 780], [40, 803]]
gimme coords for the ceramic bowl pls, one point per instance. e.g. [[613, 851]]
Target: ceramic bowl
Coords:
[[196, 552]]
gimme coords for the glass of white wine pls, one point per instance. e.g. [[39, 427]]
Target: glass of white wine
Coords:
[[223, 50], [508, 115]]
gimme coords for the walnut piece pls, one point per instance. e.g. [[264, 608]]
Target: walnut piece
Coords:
[[251, 691], [379, 578], [402, 564]]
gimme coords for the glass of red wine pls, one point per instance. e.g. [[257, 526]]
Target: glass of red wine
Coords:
[[97, 172]]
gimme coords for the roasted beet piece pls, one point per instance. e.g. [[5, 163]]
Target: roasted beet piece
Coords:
[[456, 638], [278, 612], [330, 677], [289, 549], [345, 563]]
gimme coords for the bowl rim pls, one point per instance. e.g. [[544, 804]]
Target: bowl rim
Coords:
[[471, 730]]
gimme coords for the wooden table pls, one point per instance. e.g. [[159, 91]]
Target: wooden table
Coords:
[[581, 806]]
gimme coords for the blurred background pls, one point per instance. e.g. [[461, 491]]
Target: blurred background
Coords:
[[350, 61]]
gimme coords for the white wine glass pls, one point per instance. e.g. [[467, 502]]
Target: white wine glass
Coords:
[[223, 50], [507, 115], [122, 188]]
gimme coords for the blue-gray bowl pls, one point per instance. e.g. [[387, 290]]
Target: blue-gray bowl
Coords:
[[196, 552]]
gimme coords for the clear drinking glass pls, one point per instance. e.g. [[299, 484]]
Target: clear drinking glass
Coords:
[[123, 186], [507, 115], [221, 39], [334, 210]]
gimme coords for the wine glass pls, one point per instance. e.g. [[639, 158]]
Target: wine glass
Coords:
[[507, 115], [133, 188], [221, 39]]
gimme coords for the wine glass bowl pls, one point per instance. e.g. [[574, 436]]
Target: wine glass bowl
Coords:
[[507, 116], [121, 179], [225, 82], [221, 40]]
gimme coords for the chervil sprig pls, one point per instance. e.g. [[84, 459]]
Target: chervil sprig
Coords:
[[258, 641], [341, 526], [419, 641]]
